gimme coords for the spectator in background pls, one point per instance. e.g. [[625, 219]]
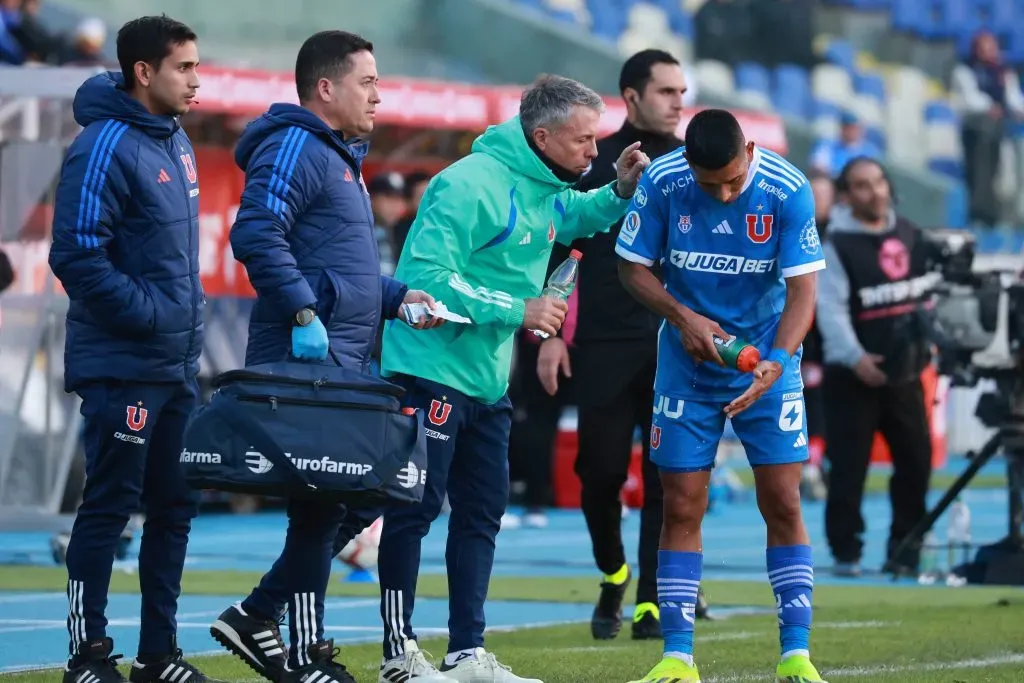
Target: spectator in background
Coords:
[[86, 45], [724, 31], [830, 156], [790, 23], [875, 346], [415, 185], [11, 49], [987, 94], [387, 198]]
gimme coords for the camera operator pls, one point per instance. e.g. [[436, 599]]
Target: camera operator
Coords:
[[875, 342]]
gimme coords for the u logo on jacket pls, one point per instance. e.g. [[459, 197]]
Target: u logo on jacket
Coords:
[[190, 168], [137, 417], [439, 412]]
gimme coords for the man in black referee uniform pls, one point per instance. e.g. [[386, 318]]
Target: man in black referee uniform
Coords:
[[614, 361]]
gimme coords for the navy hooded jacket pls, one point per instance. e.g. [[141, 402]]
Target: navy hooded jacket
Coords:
[[126, 242], [305, 233]]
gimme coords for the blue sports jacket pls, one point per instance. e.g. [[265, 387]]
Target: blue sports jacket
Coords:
[[305, 233], [126, 242]]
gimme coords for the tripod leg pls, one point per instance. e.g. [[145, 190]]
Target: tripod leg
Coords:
[[921, 528]]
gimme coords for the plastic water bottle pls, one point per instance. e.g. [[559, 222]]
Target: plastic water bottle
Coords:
[[562, 281], [958, 531], [929, 560], [738, 354]]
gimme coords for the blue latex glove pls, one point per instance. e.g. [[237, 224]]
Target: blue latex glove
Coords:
[[310, 342]]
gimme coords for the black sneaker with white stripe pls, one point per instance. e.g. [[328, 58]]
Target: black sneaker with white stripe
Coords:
[[93, 663], [171, 669], [322, 667], [256, 641]]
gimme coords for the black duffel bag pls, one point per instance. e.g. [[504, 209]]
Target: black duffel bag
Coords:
[[295, 429]]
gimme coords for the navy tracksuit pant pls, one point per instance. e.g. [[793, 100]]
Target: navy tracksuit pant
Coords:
[[467, 456], [298, 579], [133, 442]]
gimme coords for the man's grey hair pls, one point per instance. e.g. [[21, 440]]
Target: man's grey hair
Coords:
[[550, 101]]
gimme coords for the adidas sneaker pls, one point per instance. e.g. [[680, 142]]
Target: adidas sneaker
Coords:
[[322, 667], [255, 641], [411, 667], [93, 663], [171, 669]]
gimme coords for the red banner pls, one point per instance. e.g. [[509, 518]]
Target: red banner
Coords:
[[431, 104]]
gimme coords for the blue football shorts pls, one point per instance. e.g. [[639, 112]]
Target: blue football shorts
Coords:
[[685, 434]]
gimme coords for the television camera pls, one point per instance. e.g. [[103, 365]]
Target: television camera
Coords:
[[976, 320]]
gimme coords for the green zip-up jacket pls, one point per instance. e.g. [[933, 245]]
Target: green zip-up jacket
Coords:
[[480, 244]]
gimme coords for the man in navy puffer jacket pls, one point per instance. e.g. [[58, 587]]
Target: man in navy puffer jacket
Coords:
[[125, 248], [305, 233]]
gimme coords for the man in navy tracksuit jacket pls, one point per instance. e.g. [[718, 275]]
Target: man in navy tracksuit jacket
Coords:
[[125, 248], [305, 233]]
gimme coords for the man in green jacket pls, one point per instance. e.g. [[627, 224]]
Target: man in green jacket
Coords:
[[481, 243]]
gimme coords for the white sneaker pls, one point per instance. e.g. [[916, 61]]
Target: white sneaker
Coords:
[[413, 666], [484, 667], [510, 521], [535, 520]]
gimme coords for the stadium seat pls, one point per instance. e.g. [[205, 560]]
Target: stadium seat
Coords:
[[607, 20], [831, 83], [870, 84], [753, 85], [841, 53], [825, 119], [791, 91], [714, 77], [942, 139]]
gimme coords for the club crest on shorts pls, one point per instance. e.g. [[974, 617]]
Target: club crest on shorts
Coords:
[[137, 417], [655, 437], [439, 412]]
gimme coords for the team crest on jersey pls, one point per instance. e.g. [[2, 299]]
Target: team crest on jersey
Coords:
[[551, 231], [655, 437], [190, 168], [137, 417], [439, 412], [810, 242], [759, 227], [685, 224], [640, 196]]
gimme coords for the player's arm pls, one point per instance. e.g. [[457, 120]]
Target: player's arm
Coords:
[[800, 258], [88, 208], [266, 214], [451, 222], [641, 245]]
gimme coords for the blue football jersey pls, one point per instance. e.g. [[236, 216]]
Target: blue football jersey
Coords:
[[727, 262]]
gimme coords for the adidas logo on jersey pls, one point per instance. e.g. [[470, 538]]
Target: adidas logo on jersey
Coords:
[[722, 228], [800, 442], [526, 239]]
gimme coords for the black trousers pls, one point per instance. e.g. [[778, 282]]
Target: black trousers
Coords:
[[605, 447], [853, 413], [534, 427]]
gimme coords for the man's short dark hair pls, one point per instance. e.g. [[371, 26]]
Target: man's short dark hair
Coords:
[[325, 55], [150, 40], [713, 139], [636, 72]]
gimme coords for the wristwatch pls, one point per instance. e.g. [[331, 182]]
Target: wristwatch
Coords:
[[305, 317]]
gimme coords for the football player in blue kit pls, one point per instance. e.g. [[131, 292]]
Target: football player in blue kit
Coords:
[[732, 228]]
